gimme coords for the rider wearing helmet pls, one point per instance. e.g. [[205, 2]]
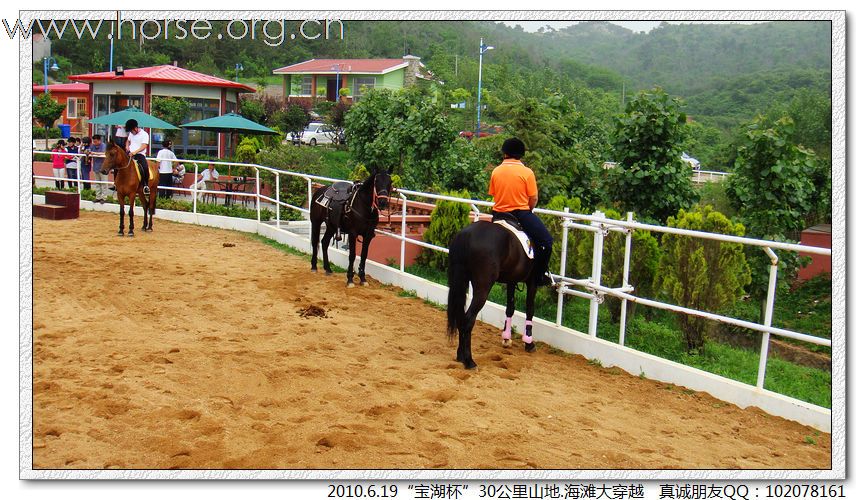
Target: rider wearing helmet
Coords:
[[136, 145], [515, 192]]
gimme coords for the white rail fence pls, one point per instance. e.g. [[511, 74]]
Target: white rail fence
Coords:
[[590, 287]]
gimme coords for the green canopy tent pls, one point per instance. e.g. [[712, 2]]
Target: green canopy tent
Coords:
[[230, 123], [144, 120]]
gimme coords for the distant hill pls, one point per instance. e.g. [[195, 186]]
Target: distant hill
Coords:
[[726, 73]]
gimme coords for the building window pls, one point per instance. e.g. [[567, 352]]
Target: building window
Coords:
[[199, 142], [76, 107], [306, 85], [107, 103], [361, 84]]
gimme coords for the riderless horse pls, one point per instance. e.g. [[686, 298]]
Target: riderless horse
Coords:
[[352, 209], [127, 182], [485, 253]]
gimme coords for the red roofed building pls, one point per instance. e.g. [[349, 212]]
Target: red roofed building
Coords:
[[207, 95], [325, 77], [76, 98]]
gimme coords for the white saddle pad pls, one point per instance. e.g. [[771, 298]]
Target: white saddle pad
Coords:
[[522, 237]]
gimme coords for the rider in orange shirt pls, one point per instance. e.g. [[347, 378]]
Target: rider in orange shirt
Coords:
[[515, 191]]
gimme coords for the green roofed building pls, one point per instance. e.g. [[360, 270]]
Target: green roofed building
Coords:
[[323, 77]]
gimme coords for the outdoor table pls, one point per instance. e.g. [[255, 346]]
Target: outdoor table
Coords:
[[234, 185]]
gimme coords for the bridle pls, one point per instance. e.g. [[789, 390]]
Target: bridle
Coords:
[[381, 193], [128, 163]]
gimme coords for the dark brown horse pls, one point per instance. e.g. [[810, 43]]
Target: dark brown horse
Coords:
[[483, 254], [127, 183], [358, 216]]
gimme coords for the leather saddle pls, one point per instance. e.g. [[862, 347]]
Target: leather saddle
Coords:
[[509, 218], [336, 194]]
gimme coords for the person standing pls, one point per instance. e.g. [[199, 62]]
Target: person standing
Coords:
[[97, 148], [120, 136], [166, 168], [72, 161], [58, 163], [85, 161], [137, 144], [515, 192]]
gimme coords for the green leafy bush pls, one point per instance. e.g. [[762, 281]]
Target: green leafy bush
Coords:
[[447, 219], [697, 273]]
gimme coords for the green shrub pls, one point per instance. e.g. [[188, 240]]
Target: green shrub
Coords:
[[697, 273], [447, 219]]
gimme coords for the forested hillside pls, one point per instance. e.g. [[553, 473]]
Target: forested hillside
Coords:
[[726, 74]]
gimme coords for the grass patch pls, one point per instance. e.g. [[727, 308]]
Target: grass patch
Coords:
[[335, 163], [407, 294]]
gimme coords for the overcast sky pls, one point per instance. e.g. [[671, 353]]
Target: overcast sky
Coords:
[[532, 26]]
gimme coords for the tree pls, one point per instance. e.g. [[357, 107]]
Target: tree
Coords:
[[291, 119], [772, 184], [697, 273], [562, 144], [46, 111], [652, 181], [402, 130], [174, 110], [252, 109]]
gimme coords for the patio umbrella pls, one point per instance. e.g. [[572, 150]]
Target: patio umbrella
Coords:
[[144, 120], [230, 123]]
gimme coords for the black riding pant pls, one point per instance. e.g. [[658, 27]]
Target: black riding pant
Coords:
[[541, 238], [145, 171]]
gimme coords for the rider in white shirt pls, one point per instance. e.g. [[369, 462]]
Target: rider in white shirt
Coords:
[[137, 144]]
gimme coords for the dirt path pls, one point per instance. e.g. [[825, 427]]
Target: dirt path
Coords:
[[194, 354]]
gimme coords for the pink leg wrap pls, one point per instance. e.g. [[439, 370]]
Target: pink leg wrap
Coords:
[[527, 338], [506, 333]]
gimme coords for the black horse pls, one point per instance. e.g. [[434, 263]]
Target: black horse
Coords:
[[356, 216], [485, 253]]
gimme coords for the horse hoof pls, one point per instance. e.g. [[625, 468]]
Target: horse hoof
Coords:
[[313, 270], [530, 347], [470, 364], [506, 342], [350, 285], [328, 273], [364, 283]]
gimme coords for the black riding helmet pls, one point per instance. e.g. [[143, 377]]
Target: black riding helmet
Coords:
[[514, 148]]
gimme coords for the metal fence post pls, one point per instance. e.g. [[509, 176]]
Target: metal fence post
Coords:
[[625, 271], [277, 200], [562, 267], [402, 241], [597, 258], [195, 190], [257, 195], [767, 320], [78, 168]]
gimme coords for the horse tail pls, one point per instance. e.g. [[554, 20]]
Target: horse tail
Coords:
[[458, 281]]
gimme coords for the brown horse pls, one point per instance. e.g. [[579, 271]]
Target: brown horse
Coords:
[[127, 183]]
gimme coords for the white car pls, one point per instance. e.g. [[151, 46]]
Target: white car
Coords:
[[318, 133]]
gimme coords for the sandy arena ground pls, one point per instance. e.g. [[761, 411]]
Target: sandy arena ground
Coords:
[[191, 353]]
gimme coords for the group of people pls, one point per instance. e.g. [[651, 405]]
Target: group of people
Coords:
[[67, 166]]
